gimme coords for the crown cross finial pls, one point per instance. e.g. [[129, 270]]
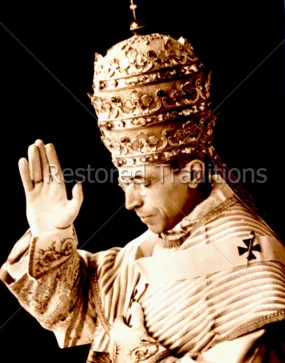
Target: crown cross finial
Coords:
[[133, 8], [136, 25]]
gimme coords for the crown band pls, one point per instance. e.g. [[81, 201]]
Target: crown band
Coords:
[[156, 76], [140, 121], [170, 95]]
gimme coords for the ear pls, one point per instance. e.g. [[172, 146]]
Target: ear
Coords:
[[196, 172]]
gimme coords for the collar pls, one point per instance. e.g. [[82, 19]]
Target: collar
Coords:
[[202, 213], [176, 236]]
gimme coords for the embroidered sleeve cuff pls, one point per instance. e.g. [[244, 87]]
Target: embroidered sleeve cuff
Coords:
[[160, 356], [151, 353], [51, 250]]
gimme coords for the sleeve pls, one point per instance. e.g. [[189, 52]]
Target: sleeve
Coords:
[[260, 346], [254, 347], [53, 281]]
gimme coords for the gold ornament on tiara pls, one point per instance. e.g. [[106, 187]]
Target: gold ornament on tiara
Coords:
[[152, 99]]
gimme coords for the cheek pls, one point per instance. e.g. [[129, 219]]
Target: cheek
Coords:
[[171, 201], [180, 197], [155, 203]]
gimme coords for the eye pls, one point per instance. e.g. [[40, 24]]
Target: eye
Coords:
[[123, 183], [146, 183], [142, 181]]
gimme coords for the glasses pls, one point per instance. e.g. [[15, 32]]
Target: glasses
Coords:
[[140, 184]]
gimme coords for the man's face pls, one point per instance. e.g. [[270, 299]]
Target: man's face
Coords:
[[160, 197]]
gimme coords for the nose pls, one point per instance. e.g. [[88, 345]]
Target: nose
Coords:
[[132, 198]]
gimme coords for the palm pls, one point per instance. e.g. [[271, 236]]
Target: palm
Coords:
[[47, 205], [53, 205]]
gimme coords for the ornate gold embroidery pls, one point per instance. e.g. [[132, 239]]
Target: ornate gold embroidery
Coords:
[[147, 349], [51, 254], [146, 148], [152, 83], [138, 122], [184, 93], [132, 61]]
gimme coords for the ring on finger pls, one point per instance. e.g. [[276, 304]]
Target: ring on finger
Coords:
[[38, 181]]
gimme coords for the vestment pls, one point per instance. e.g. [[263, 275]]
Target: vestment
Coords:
[[194, 296]]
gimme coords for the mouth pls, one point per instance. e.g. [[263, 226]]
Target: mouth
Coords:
[[144, 218]]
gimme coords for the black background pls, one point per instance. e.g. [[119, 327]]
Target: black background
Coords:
[[231, 38]]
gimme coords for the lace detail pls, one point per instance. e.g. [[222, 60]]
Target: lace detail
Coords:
[[176, 236]]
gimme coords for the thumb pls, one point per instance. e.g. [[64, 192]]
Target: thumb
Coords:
[[137, 318], [77, 196]]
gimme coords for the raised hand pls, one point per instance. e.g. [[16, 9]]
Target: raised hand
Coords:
[[47, 205]]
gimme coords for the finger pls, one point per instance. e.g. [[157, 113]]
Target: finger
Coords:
[[25, 175], [54, 165], [137, 317], [35, 163], [44, 161]]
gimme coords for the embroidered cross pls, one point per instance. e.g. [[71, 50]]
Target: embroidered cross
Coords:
[[249, 247]]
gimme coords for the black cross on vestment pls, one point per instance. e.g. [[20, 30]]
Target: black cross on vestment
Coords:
[[249, 247]]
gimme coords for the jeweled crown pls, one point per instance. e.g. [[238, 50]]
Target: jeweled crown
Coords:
[[152, 100]]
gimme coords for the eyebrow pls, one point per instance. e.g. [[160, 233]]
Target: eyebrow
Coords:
[[132, 177], [137, 177]]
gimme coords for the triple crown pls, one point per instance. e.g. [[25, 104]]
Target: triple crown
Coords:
[[152, 100]]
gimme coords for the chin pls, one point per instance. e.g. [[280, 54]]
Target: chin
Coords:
[[155, 228]]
